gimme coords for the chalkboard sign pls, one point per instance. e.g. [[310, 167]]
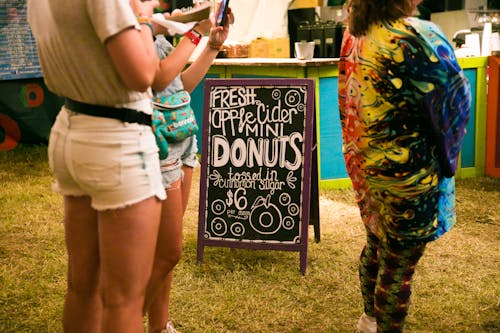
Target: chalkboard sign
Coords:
[[256, 164], [18, 53]]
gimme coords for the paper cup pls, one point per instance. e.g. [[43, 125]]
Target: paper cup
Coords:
[[495, 41], [304, 50], [472, 42]]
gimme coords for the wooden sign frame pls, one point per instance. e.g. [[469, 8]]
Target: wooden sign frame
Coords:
[[248, 200]]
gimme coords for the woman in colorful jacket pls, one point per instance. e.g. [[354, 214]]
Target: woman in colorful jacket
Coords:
[[404, 103]]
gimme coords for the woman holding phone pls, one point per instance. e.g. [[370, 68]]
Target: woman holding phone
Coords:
[[177, 168]]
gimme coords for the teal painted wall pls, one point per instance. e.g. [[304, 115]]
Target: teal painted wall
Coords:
[[468, 146], [332, 164]]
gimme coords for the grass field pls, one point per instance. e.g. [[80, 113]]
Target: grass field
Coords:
[[456, 289]]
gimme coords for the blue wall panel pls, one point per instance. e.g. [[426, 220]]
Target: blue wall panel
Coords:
[[468, 147], [332, 161]]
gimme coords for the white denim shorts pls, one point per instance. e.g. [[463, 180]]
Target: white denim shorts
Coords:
[[113, 162], [179, 154]]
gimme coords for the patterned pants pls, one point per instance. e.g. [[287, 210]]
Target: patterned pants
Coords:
[[385, 273]]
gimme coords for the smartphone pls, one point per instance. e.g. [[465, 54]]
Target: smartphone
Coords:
[[222, 15]]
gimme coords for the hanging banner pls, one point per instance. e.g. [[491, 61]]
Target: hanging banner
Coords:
[[27, 108], [18, 54]]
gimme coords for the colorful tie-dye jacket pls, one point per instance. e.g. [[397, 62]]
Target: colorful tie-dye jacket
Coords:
[[392, 82]]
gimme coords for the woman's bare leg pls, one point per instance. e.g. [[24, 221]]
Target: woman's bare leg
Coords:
[[127, 239], [186, 187], [170, 232], [82, 307], [168, 253]]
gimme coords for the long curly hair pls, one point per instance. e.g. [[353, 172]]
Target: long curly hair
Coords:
[[363, 13]]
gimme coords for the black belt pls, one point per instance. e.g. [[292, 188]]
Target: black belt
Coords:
[[123, 114]]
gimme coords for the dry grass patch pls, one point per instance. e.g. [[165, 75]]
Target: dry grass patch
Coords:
[[234, 290]]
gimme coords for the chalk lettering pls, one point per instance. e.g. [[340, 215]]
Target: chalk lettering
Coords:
[[224, 97], [276, 114], [265, 152]]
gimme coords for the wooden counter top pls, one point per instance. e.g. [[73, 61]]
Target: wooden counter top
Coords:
[[277, 62], [315, 62]]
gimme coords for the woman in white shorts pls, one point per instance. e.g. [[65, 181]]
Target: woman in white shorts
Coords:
[[100, 56], [177, 168]]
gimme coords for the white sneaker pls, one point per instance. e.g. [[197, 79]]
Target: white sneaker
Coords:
[[170, 328], [367, 324]]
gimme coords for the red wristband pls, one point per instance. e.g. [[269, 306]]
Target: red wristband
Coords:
[[194, 36]]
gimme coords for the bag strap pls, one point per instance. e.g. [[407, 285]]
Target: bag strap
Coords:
[[175, 101], [124, 114]]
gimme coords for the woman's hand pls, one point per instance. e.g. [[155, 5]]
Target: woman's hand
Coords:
[[218, 34], [204, 26], [196, 72], [160, 29], [144, 8]]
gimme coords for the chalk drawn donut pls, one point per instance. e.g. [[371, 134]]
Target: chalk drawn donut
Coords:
[[218, 207], [265, 217], [292, 98], [237, 229], [276, 94], [218, 227], [10, 134], [285, 199], [288, 223], [293, 209]]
